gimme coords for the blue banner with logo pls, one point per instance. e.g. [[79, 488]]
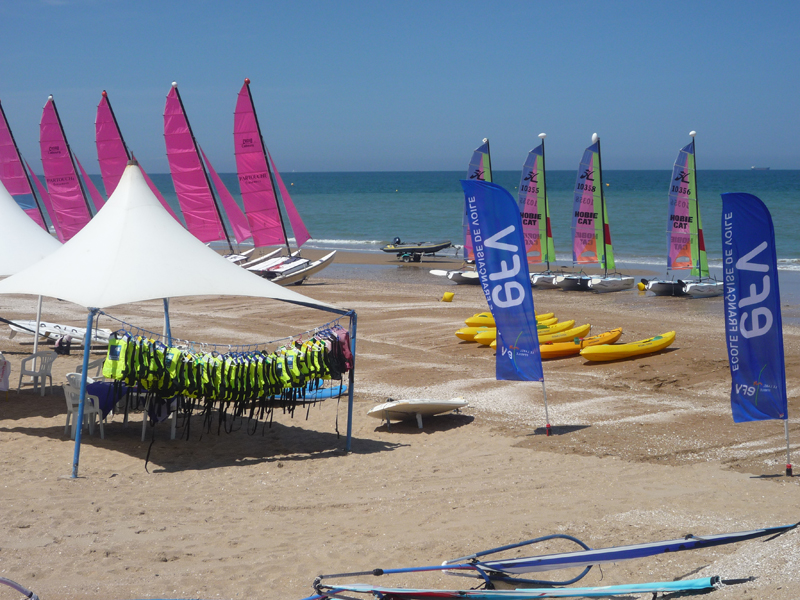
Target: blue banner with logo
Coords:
[[502, 263], [753, 328]]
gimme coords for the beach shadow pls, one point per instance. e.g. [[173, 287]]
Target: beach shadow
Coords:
[[773, 476], [430, 424], [26, 404], [559, 429]]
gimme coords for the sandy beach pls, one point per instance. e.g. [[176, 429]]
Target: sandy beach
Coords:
[[642, 450]]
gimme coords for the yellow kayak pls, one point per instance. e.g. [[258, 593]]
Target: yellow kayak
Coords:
[[486, 337], [557, 328], [485, 319], [468, 333], [574, 346], [563, 336], [618, 351], [546, 322]]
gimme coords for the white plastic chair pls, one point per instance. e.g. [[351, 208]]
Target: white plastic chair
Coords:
[[91, 409], [95, 365], [40, 365]]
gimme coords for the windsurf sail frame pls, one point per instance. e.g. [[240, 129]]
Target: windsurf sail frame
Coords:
[[192, 185], [534, 209], [259, 180], [13, 174], [71, 207], [686, 247], [480, 169], [704, 584], [113, 153], [591, 236]]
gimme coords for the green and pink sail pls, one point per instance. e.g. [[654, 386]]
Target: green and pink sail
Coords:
[[71, 210], [14, 176], [590, 231], [258, 180], [534, 210], [480, 169], [686, 247]]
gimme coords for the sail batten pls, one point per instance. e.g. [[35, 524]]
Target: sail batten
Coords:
[[68, 199]]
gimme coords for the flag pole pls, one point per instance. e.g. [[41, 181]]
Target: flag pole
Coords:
[[546, 414], [788, 456]]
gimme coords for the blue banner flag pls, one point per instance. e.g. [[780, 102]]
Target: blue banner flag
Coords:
[[502, 263], [753, 328]]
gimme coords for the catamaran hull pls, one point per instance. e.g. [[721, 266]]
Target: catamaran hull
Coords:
[[464, 277], [704, 289], [573, 283], [299, 274], [661, 287], [544, 281], [54, 331], [610, 284]]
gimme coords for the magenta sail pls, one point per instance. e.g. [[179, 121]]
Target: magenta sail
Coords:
[[93, 191], [255, 183], [301, 235], [12, 172], [71, 210], [188, 175], [46, 201], [241, 230], [112, 153]]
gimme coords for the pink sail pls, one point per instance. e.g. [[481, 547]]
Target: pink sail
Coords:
[[301, 235], [255, 183], [113, 155], [67, 197], [93, 191], [241, 230], [188, 175], [12, 173], [47, 202]]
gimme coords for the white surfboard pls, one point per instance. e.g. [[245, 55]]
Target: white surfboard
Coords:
[[401, 410]]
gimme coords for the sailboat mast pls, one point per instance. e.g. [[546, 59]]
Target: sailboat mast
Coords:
[[119, 131], [205, 171], [602, 205], [488, 160], [269, 168], [696, 240], [546, 211], [71, 157], [24, 170]]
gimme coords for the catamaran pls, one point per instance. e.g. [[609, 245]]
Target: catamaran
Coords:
[[591, 235], [480, 168], [535, 212], [686, 247], [258, 181]]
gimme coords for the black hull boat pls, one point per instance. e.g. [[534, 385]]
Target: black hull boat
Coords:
[[414, 251]]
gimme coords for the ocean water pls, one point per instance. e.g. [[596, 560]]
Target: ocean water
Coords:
[[363, 211]]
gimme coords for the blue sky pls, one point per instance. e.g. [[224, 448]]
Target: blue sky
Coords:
[[380, 85]]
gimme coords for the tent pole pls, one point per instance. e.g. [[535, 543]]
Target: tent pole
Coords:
[[38, 325], [788, 456], [167, 330], [353, 320], [546, 415], [87, 344]]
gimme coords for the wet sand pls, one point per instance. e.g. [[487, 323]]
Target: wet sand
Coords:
[[643, 449]]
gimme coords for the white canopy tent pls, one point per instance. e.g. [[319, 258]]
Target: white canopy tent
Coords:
[[22, 243], [133, 250]]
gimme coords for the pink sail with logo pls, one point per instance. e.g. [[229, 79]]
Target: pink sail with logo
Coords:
[[113, 155], [71, 209], [255, 183], [188, 174], [12, 172]]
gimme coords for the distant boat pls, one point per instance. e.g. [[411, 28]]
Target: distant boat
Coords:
[[759, 168]]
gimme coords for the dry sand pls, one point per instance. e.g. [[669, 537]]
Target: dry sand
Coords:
[[642, 450]]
